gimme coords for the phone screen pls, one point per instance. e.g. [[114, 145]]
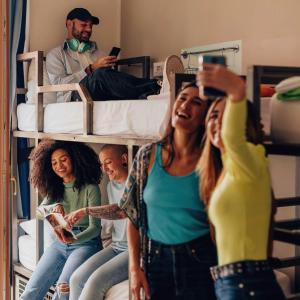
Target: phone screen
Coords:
[[114, 51]]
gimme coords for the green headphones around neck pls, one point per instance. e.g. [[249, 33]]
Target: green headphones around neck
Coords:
[[76, 45]]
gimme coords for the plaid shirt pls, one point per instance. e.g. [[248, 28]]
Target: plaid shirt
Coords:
[[132, 201]]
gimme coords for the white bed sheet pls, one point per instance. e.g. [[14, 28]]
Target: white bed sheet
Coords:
[[135, 118], [27, 252]]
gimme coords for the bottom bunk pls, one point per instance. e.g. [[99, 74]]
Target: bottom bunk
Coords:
[[27, 259]]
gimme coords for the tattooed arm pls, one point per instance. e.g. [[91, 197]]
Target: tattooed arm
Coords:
[[110, 212]]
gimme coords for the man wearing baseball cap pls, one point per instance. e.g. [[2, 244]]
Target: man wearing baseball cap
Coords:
[[78, 59]]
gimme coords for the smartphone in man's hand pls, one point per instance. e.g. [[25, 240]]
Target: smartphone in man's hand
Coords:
[[114, 51], [209, 92]]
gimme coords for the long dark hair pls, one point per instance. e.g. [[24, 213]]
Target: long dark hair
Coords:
[[167, 141], [210, 164], [85, 163]]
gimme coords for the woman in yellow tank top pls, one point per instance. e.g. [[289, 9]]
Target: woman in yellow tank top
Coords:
[[235, 184]]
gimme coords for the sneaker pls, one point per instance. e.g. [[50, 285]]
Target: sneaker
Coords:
[[173, 65]]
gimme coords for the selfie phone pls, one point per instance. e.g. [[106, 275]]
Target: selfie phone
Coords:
[[114, 51], [209, 92]]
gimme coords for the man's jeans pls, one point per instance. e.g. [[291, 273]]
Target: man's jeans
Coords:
[[98, 274], [57, 265], [256, 286], [109, 84], [182, 272]]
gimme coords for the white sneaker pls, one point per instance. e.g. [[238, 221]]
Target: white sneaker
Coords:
[[173, 65]]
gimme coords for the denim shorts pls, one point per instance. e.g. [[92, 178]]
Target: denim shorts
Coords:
[[181, 272]]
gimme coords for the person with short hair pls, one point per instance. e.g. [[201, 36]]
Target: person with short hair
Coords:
[[67, 174], [78, 60], [109, 266]]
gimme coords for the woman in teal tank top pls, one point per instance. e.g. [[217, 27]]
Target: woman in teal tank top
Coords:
[[162, 201]]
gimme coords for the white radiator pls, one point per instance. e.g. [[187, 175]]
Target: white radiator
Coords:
[[20, 283]]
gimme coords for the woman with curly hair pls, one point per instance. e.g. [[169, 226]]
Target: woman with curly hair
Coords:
[[67, 175]]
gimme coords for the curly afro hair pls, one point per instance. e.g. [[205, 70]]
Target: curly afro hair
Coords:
[[85, 163]]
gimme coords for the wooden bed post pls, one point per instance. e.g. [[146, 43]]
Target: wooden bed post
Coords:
[[87, 109], [39, 125]]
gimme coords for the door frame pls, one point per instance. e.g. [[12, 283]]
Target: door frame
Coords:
[[4, 154]]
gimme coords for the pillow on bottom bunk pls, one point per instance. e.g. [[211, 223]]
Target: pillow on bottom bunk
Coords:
[[30, 228]]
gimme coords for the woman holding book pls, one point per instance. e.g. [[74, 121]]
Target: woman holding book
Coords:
[[67, 174], [236, 187]]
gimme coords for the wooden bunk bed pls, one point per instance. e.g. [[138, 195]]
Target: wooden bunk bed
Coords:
[[20, 273]]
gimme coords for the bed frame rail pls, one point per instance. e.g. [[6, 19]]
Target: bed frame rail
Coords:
[[38, 57]]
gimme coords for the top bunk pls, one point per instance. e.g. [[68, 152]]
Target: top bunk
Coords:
[[129, 122]]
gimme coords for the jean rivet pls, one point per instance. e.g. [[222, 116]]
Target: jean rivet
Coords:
[[193, 250], [156, 251], [241, 285], [252, 293]]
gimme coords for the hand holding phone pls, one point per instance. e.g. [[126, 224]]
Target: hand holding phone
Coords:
[[209, 92], [114, 51]]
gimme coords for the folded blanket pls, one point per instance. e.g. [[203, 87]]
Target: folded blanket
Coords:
[[291, 95], [288, 84]]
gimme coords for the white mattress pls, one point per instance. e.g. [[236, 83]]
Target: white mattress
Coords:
[[136, 118], [27, 252]]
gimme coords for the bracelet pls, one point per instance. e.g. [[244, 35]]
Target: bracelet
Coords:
[[86, 211]]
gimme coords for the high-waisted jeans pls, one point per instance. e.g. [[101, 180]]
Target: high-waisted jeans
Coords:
[[181, 272], [260, 285]]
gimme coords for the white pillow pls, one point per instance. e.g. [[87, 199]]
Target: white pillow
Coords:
[[31, 85], [30, 228]]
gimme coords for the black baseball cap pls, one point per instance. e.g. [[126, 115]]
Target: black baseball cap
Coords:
[[82, 14]]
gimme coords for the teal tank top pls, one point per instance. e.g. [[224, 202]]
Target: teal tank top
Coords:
[[175, 212]]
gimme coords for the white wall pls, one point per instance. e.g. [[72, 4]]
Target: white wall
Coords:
[[269, 29], [47, 22]]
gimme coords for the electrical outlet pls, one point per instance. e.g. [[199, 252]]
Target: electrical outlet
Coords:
[[158, 68]]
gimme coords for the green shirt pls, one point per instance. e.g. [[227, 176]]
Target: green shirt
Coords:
[[73, 199]]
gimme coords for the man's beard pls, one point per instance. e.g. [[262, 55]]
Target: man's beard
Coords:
[[79, 35]]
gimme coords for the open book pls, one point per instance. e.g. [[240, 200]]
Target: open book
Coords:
[[55, 219]]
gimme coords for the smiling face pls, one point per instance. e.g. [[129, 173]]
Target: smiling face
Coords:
[[114, 164], [81, 30], [214, 123], [189, 110], [62, 165]]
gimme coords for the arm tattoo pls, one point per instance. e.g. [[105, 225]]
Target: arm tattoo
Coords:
[[109, 212]]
